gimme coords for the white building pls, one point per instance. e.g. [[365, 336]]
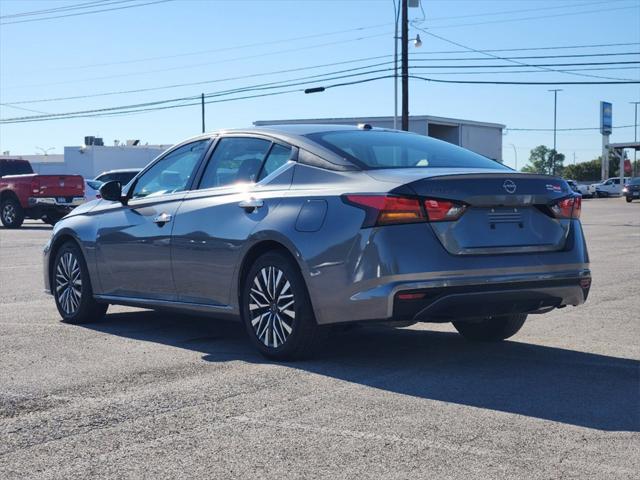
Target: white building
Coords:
[[90, 161], [481, 137]]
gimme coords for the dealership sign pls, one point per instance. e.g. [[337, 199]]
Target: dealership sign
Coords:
[[606, 118]]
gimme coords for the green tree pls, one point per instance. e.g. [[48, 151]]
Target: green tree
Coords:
[[542, 161], [590, 171]]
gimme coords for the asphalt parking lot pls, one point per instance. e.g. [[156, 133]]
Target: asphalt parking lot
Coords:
[[152, 395]]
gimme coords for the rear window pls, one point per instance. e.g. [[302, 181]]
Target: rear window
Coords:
[[375, 149], [15, 167]]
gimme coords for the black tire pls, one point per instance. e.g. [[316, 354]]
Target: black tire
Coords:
[[276, 330], [629, 199], [491, 329], [52, 218], [11, 213], [74, 299]]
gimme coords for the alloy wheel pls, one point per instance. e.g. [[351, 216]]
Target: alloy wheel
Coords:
[[9, 213], [272, 307], [69, 283]]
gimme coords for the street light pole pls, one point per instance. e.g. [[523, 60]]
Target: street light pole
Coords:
[[405, 65], [515, 154]]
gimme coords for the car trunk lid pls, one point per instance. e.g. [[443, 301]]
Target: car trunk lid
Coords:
[[506, 212]]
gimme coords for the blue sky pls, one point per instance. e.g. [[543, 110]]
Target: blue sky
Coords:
[[188, 41]]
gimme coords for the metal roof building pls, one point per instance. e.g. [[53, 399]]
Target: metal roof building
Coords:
[[481, 137]]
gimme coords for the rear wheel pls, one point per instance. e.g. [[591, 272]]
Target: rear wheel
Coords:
[[491, 329], [629, 199], [11, 213], [276, 309], [71, 287]]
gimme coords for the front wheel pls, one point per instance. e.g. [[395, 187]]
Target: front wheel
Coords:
[[11, 213], [629, 199], [71, 287], [276, 309], [491, 329]]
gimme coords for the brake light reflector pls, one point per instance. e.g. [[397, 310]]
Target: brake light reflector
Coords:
[[388, 210], [567, 207], [443, 210]]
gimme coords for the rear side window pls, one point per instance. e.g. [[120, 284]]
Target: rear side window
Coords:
[[278, 156], [235, 160], [15, 167], [375, 149]]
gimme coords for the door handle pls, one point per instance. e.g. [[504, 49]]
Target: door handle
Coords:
[[162, 219], [251, 204]]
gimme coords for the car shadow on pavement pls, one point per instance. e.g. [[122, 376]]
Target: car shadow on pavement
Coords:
[[572, 387]]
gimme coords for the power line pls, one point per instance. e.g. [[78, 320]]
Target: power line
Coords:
[[498, 82], [148, 89], [77, 6], [122, 7], [530, 57], [536, 65], [183, 67], [488, 22], [216, 50], [205, 82], [506, 12], [304, 80], [194, 100], [521, 49], [515, 61]]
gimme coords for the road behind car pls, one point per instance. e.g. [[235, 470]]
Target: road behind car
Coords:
[[145, 394]]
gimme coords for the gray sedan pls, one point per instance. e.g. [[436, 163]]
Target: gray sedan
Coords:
[[291, 229]]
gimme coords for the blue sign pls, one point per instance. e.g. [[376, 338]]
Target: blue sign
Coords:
[[606, 118]]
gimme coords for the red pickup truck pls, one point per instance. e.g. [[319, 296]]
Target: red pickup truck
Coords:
[[24, 194]]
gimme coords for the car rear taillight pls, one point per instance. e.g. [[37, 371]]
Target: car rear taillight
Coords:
[[35, 185], [388, 210], [443, 210], [393, 210], [567, 207]]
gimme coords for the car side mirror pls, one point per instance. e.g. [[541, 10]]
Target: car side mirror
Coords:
[[112, 191]]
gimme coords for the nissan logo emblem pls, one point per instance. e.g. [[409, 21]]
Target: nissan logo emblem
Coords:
[[509, 186]]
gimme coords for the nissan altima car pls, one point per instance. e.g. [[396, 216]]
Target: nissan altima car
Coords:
[[290, 229]]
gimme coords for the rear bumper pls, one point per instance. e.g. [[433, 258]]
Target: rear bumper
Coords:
[[60, 202], [473, 301], [443, 300]]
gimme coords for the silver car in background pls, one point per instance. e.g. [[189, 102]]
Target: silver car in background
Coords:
[[293, 228]]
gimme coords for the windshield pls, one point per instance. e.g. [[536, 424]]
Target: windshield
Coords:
[[634, 181], [374, 149]]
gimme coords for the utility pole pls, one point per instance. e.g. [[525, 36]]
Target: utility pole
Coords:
[[405, 65], [202, 108], [555, 123], [396, 15], [635, 137]]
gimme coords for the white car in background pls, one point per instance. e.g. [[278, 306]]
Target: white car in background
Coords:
[[91, 190], [610, 187], [586, 190]]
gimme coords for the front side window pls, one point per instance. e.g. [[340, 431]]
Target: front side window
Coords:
[[375, 149], [235, 160], [172, 173]]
